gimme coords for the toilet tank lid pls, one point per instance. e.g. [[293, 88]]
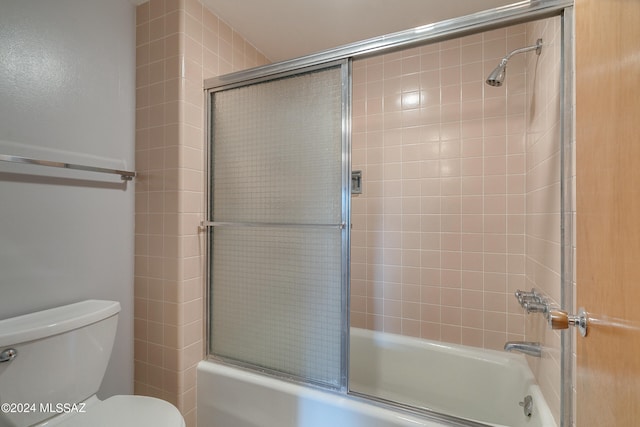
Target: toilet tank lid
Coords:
[[55, 321]]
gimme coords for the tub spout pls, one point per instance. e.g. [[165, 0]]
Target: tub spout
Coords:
[[531, 348]]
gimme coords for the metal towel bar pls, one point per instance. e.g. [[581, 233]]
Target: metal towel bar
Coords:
[[204, 224], [124, 175]]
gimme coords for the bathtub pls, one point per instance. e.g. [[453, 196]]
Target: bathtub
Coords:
[[483, 387]]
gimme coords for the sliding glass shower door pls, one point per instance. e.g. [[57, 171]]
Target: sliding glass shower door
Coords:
[[277, 213]]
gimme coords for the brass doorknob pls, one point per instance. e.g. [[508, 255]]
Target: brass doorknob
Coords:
[[559, 319]]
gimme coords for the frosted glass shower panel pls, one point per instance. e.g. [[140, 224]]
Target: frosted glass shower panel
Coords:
[[277, 287], [278, 150], [277, 300]]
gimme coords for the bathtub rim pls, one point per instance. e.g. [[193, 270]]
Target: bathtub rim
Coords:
[[472, 351]]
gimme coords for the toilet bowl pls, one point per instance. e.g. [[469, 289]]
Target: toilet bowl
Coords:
[[52, 363], [122, 411]]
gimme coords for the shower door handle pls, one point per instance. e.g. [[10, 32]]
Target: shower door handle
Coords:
[[560, 319], [206, 224]]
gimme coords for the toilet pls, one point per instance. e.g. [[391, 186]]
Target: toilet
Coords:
[[52, 363]]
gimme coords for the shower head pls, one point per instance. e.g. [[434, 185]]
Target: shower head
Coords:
[[499, 73]]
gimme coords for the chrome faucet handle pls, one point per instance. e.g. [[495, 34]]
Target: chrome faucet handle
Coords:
[[525, 297], [535, 307]]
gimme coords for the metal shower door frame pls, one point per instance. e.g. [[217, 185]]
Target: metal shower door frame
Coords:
[[218, 85]]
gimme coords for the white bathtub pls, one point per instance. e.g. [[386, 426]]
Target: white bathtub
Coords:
[[470, 383]]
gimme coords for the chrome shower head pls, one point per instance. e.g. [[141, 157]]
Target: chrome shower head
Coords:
[[499, 73]]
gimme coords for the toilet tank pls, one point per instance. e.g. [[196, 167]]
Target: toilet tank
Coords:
[[61, 357]]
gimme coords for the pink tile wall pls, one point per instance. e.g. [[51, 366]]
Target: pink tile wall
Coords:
[[543, 238], [438, 242], [461, 202], [179, 43]]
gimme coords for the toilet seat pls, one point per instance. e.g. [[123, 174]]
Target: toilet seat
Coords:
[[125, 411]]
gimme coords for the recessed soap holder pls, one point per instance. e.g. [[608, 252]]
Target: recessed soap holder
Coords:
[[356, 182]]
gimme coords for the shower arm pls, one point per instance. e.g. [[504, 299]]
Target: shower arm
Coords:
[[537, 47]]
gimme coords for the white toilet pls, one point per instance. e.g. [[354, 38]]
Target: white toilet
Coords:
[[52, 363]]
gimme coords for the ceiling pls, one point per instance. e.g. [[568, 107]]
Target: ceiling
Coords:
[[285, 29]]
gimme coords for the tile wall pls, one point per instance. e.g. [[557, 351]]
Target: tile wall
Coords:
[[461, 192], [179, 43], [438, 243], [543, 237]]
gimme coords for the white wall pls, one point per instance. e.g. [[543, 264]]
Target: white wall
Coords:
[[67, 93]]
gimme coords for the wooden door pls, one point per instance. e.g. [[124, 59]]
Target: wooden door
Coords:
[[608, 211]]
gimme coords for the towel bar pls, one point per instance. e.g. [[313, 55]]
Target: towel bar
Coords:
[[124, 175]]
